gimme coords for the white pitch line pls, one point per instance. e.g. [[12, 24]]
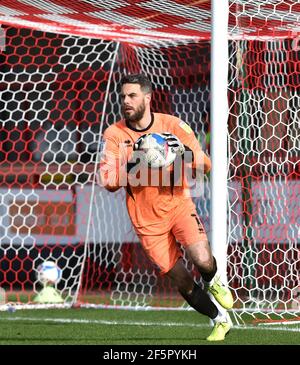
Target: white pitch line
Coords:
[[287, 323], [137, 323], [105, 322]]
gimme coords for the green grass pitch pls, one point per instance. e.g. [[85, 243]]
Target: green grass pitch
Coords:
[[122, 327]]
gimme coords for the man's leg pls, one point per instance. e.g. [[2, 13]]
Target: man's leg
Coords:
[[187, 228], [191, 292], [201, 256], [199, 300], [165, 253]]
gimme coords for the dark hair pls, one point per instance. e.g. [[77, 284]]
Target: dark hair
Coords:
[[139, 79]]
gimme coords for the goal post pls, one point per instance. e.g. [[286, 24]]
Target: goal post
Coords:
[[219, 117], [60, 72]]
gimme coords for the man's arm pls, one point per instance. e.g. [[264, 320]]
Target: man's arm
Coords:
[[113, 161], [193, 150]]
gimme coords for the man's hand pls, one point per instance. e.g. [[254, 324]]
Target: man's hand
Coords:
[[138, 143], [174, 143], [138, 154]]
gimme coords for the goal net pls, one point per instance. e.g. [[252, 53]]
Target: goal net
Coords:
[[263, 171], [61, 65]]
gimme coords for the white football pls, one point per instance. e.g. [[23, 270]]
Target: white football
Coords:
[[157, 153], [48, 272]]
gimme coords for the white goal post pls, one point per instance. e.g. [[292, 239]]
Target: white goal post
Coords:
[[219, 117]]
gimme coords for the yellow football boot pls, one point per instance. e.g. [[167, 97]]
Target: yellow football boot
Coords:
[[219, 331], [221, 293]]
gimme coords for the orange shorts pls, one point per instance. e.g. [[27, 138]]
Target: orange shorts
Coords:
[[185, 227]]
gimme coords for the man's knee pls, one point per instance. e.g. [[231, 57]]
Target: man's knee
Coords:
[[181, 277], [208, 264], [201, 256]]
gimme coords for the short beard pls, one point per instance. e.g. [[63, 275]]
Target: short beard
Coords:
[[137, 116]]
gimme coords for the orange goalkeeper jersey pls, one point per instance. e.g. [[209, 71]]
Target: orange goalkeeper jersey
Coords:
[[150, 206]]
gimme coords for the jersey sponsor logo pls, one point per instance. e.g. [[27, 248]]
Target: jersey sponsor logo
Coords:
[[185, 127]]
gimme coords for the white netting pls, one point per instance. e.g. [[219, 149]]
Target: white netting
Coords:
[[68, 87], [264, 189]]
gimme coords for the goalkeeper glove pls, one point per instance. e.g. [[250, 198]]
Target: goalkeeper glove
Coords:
[[138, 154], [174, 143], [138, 143]]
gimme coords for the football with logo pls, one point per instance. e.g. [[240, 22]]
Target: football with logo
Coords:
[[156, 151], [48, 272]]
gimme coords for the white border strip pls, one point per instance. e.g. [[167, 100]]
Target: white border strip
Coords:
[[140, 323]]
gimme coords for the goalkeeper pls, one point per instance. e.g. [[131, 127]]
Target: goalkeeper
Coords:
[[164, 216]]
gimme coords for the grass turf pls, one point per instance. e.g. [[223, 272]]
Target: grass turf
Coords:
[[121, 327]]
